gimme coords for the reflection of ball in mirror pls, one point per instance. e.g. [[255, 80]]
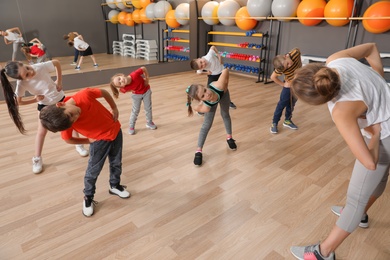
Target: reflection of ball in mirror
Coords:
[[209, 13], [283, 8], [182, 13], [379, 9], [259, 8], [228, 9]]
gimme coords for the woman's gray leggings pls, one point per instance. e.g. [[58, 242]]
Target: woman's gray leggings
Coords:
[[224, 103], [364, 184], [16, 48]]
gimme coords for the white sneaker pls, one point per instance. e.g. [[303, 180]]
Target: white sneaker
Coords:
[[120, 190], [151, 126], [37, 164], [81, 150], [88, 206]]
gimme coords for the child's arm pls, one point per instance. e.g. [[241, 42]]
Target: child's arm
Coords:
[[35, 99], [146, 74], [217, 53], [202, 108], [275, 78], [223, 80], [36, 41], [17, 30], [106, 95], [58, 81]]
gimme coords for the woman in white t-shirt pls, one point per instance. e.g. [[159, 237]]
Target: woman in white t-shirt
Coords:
[[14, 36], [358, 99], [35, 79]]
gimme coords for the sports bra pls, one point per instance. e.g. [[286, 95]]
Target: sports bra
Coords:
[[217, 91]]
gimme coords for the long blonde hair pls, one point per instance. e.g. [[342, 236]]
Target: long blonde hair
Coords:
[[114, 88]]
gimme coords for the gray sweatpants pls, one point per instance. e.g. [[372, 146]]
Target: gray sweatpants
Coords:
[[364, 184], [224, 103], [137, 99], [16, 48]]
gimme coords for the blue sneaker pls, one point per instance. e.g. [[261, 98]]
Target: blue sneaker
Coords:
[[274, 128], [290, 124]]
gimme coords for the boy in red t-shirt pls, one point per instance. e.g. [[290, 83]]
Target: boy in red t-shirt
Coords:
[[85, 114], [138, 83]]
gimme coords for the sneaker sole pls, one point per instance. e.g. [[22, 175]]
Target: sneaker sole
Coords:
[[362, 225], [273, 132], [113, 193], [292, 128]]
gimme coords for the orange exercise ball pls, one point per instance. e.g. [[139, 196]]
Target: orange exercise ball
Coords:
[[379, 9], [136, 16], [136, 4], [144, 3], [338, 8], [311, 8], [143, 17], [170, 19], [122, 17], [244, 20], [129, 19]]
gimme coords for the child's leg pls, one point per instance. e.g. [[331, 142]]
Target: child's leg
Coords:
[[290, 106], [283, 102], [137, 99], [80, 61], [76, 55], [40, 139], [93, 59], [224, 105], [99, 152], [147, 97], [115, 160], [207, 123]]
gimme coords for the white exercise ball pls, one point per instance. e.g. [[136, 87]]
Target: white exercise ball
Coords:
[[259, 8], [210, 9], [228, 9], [161, 8], [182, 13], [285, 8], [149, 12], [111, 3]]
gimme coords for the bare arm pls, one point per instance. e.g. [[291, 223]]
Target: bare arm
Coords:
[[345, 115], [146, 74], [202, 108], [28, 101], [58, 68], [223, 80], [106, 95], [369, 51], [217, 53], [36, 41], [16, 29], [275, 78]]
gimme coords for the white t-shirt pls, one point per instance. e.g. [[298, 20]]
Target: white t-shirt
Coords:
[[13, 37], [41, 84], [80, 44], [361, 83], [213, 63]]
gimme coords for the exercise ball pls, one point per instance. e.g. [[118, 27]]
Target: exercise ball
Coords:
[[284, 8], [111, 3], [143, 17], [136, 4], [136, 16], [379, 9], [182, 13], [120, 5], [259, 8], [149, 12], [113, 16], [243, 19], [210, 9], [161, 8], [311, 8], [228, 9], [338, 8], [129, 19], [170, 19], [122, 17], [144, 3]]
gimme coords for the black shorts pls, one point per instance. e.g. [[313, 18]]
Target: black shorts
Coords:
[[87, 52], [40, 106]]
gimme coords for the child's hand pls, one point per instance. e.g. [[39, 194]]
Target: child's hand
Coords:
[[39, 97], [115, 114], [58, 86], [373, 129]]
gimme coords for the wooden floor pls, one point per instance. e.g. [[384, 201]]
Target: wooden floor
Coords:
[[254, 203]]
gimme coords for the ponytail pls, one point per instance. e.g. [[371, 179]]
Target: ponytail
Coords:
[[10, 98], [189, 110]]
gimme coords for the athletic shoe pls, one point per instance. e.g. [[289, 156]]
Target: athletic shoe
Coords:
[[151, 126], [198, 158], [290, 124], [81, 150], [96, 65], [363, 222], [232, 105], [232, 143], [200, 114], [88, 206], [131, 131], [274, 128], [120, 190], [310, 252], [73, 63], [37, 164], [77, 68]]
